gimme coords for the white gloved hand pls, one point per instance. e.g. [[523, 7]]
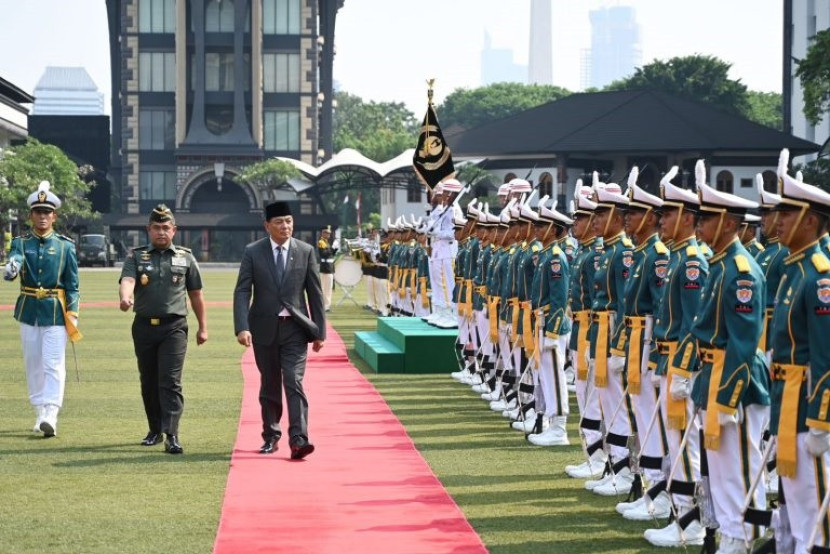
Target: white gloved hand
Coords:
[[74, 320], [818, 442], [12, 268], [616, 364], [548, 344], [727, 419], [656, 381], [680, 388]]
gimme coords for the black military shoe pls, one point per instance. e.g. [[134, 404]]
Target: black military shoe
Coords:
[[172, 446], [151, 439]]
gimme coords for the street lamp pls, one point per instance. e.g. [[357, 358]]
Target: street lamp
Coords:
[[219, 171]]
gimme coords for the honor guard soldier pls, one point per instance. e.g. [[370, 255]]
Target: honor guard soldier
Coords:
[[444, 249], [156, 281], [382, 274], [801, 362], [748, 235], [685, 277], [731, 388], [47, 307], [643, 292], [583, 269], [607, 321], [485, 229], [326, 253]]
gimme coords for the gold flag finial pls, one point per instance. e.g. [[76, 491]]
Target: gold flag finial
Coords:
[[430, 82]]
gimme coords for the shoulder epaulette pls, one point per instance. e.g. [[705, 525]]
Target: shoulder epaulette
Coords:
[[627, 242], [184, 249], [759, 246], [137, 248], [64, 237], [556, 250], [821, 262], [692, 251], [535, 247], [742, 263], [660, 247]]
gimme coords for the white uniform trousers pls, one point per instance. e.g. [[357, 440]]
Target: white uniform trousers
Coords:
[[732, 468], [645, 405], [687, 468], [554, 387], [370, 291], [381, 289], [483, 327], [615, 414], [443, 285], [420, 309], [804, 496], [587, 400], [327, 282], [504, 347], [44, 355]]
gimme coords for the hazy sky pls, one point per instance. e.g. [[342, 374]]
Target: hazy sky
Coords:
[[386, 49]]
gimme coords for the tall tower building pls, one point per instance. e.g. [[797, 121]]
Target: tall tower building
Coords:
[[67, 91], [540, 53], [615, 45], [204, 88], [497, 65]]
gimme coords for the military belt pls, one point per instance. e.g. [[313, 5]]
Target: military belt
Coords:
[[708, 354], [664, 347], [632, 320], [39, 292], [780, 372], [328, 261], [154, 321]]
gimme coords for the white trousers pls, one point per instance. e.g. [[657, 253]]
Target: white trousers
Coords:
[[552, 381], [370, 291], [732, 468], [804, 496], [687, 468], [587, 400], [44, 355], [645, 406], [483, 326], [327, 282], [443, 284], [614, 407], [381, 292]]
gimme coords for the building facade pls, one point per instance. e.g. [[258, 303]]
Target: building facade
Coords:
[[615, 45], [13, 113], [204, 88], [802, 20]]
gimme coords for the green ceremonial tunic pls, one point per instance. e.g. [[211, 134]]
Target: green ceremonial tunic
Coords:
[[48, 264], [163, 278]]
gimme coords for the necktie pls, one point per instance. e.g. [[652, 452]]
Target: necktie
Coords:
[[280, 264]]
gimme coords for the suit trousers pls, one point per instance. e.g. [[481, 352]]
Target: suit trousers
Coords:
[[44, 355], [160, 351], [281, 365]]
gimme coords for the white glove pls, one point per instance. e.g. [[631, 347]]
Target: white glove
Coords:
[[548, 344], [11, 270], [74, 320], [818, 442], [725, 419], [681, 387], [616, 364]]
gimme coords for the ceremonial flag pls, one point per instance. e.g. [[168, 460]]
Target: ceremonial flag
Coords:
[[432, 159]]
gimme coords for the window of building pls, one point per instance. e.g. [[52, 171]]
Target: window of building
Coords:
[[157, 71], [413, 193], [282, 129], [747, 183], [156, 129], [218, 119], [724, 181], [157, 186], [219, 16], [157, 16], [281, 72], [219, 71], [281, 17]]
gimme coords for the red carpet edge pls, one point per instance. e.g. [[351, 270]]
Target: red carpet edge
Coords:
[[365, 489]]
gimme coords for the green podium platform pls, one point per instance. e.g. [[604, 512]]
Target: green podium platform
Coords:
[[407, 345]]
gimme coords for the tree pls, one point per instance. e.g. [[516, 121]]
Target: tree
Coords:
[[816, 172], [466, 109], [23, 167], [814, 73], [700, 78], [269, 175], [766, 108], [378, 130]]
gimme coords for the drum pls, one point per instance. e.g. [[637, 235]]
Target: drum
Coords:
[[347, 271]]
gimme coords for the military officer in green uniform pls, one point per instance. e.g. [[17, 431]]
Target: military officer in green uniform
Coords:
[[47, 307], [732, 386], [155, 282], [801, 360]]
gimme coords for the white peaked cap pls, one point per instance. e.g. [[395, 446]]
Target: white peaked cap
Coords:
[[43, 197], [519, 185], [751, 218], [713, 200], [527, 213], [472, 209], [551, 214], [610, 195], [504, 217], [504, 190], [799, 193], [439, 189], [768, 200], [675, 196], [582, 199], [516, 210], [452, 185], [458, 218]]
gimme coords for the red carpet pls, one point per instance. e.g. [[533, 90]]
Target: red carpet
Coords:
[[365, 489]]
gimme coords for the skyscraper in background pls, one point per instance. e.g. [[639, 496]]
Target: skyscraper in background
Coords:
[[497, 65], [615, 45], [540, 53]]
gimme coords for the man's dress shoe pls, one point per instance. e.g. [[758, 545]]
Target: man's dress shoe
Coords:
[[300, 448], [151, 439], [172, 446], [269, 446]]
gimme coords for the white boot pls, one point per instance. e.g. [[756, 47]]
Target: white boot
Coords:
[[593, 467], [660, 508], [623, 507], [673, 536], [556, 435], [38, 418], [620, 484], [729, 545], [49, 424]]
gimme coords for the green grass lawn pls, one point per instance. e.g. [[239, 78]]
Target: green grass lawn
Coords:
[[93, 489]]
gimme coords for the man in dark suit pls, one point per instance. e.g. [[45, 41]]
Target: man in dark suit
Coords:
[[282, 275]]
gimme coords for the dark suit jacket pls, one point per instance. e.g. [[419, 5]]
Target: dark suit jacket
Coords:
[[299, 292]]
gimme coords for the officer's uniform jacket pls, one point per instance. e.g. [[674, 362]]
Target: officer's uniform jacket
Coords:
[[326, 253], [554, 276], [800, 341], [585, 265], [754, 248], [725, 334], [163, 278], [771, 259], [48, 279]]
